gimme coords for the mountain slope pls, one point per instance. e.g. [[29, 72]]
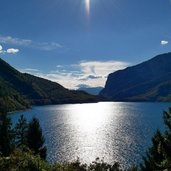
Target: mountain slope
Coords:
[[148, 81], [18, 90]]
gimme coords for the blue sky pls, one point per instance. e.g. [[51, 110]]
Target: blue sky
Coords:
[[58, 40]]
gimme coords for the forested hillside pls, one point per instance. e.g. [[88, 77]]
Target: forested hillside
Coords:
[[20, 90]]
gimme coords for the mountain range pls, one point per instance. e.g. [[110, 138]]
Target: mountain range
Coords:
[[20, 90], [90, 90], [148, 81]]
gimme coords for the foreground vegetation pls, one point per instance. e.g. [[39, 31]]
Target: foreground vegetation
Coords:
[[22, 149]]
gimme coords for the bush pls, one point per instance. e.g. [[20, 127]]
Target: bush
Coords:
[[23, 161]]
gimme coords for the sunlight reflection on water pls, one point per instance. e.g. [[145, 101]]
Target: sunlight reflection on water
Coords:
[[116, 131]]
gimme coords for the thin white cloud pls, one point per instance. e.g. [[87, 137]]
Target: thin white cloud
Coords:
[[164, 42], [91, 73], [30, 70], [46, 46], [12, 51], [14, 41]]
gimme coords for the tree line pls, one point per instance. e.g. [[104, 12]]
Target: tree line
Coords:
[[24, 136]]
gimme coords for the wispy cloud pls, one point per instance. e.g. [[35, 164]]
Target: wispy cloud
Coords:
[[91, 73], [164, 42], [14, 41], [10, 50], [89, 77], [101, 68], [47, 46], [30, 70]]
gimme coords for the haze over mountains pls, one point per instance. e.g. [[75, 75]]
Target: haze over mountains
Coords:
[[90, 90], [148, 81], [19, 90]]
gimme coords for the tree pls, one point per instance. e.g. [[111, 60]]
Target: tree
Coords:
[[101, 165], [158, 157], [6, 135], [35, 139], [21, 129]]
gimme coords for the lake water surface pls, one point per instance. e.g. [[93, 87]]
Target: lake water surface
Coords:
[[117, 131]]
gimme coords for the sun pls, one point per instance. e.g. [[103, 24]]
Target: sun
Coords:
[[87, 2]]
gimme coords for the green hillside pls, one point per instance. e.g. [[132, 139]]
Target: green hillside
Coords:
[[19, 91]]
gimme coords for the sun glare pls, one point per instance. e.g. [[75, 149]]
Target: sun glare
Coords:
[[87, 2]]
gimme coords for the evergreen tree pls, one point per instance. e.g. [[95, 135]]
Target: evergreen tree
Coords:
[[35, 139], [21, 132], [6, 135], [158, 157]]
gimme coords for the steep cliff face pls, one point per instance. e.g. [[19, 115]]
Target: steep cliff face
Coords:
[[148, 81], [19, 90]]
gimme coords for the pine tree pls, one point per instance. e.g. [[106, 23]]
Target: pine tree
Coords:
[[35, 139], [158, 156], [21, 129], [6, 135]]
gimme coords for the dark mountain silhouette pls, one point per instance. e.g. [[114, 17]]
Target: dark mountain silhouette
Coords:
[[148, 81], [20, 90]]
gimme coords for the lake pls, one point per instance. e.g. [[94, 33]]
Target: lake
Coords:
[[117, 131]]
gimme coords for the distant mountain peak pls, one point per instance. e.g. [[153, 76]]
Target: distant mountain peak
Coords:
[[89, 89]]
